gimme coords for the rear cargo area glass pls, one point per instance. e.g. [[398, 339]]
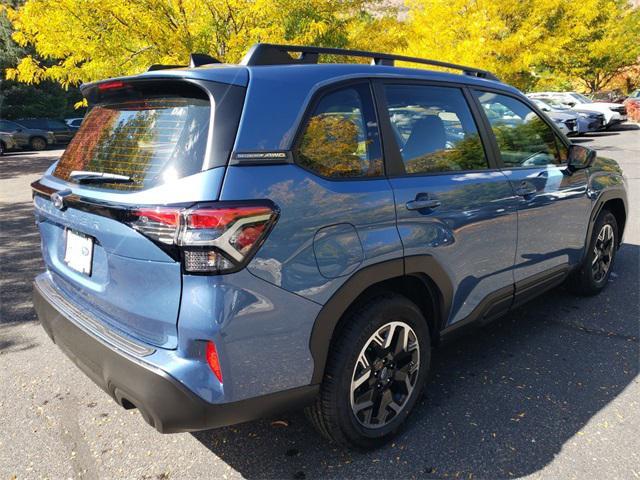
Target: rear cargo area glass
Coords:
[[152, 140]]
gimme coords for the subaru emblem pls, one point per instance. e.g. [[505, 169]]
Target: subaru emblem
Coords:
[[57, 199]]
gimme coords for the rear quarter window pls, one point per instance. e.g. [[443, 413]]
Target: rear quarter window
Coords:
[[341, 138]]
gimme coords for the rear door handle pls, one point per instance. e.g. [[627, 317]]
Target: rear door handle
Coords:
[[525, 189], [419, 204]]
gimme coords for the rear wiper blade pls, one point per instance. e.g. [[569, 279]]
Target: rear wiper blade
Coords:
[[83, 176]]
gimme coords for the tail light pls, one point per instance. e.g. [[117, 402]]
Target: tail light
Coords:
[[211, 239]]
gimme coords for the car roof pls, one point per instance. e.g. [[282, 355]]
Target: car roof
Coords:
[[323, 72], [278, 95], [242, 75]]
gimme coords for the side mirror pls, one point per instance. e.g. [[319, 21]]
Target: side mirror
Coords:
[[571, 104], [580, 157]]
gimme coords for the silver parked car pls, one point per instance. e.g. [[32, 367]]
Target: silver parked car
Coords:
[[28, 138], [588, 121], [566, 122], [614, 113]]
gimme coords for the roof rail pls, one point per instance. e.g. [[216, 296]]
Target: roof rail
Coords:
[[271, 54]]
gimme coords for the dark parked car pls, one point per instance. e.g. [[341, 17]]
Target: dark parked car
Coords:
[[63, 133], [27, 138], [228, 242]]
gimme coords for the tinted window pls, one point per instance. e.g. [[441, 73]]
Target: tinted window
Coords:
[[341, 137], [523, 137], [151, 140], [7, 126], [154, 131], [434, 129]]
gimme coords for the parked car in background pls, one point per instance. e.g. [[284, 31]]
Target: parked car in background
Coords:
[[63, 133], [588, 121], [634, 96], [610, 96], [614, 113], [74, 123], [633, 105], [7, 142], [28, 138], [209, 262], [567, 120]]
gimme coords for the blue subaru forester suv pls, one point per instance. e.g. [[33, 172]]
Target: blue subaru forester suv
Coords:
[[225, 242]]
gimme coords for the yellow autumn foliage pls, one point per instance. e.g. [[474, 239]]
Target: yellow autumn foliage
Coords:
[[526, 42], [83, 40]]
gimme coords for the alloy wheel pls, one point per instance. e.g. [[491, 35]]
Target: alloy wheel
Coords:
[[602, 253], [385, 374], [38, 144]]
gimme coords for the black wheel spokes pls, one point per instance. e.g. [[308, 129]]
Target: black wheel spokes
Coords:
[[385, 374], [366, 403]]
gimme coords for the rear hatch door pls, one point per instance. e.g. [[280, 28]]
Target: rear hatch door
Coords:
[[144, 144]]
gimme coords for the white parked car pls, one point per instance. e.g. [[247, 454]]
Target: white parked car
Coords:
[[74, 122], [614, 113]]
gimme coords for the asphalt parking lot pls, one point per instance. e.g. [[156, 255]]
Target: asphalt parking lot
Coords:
[[550, 391]]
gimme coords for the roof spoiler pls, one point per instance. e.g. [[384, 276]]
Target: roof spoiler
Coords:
[[195, 60]]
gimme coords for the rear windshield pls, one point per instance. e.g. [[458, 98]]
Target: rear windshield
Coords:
[[146, 136]]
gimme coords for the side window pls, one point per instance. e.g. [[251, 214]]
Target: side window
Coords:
[[524, 138], [341, 137], [434, 129]]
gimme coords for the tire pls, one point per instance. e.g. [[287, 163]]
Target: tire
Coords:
[[2, 148], [332, 414], [594, 273], [37, 143]]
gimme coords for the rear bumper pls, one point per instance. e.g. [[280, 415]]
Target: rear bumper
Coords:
[[163, 401]]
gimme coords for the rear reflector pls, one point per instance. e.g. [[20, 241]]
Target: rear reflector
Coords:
[[213, 360], [213, 238]]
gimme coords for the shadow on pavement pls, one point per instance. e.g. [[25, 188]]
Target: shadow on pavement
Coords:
[[21, 260], [25, 163], [501, 403], [625, 127]]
